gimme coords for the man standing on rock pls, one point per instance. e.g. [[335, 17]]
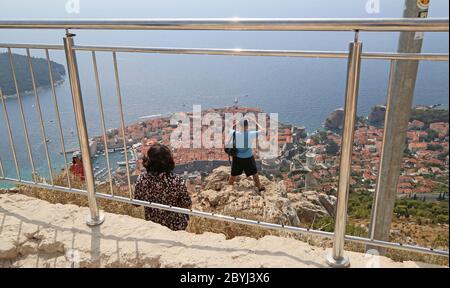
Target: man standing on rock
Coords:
[[244, 161]]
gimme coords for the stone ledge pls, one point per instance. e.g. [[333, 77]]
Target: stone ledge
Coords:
[[35, 233]]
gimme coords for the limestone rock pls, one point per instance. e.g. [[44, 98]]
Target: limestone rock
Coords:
[[308, 211], [213, 197], [275, 205], [8, 249], [29, 247], [335, 121], [39, 241], [121, 241], [282, 190], [217, 180], [329, 203], [377, 115]]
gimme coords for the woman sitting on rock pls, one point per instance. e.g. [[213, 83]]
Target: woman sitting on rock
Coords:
[[160, 185]]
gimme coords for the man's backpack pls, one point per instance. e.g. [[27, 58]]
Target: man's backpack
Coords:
[[232, 152]]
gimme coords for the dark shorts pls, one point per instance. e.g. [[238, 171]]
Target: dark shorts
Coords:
[[247, 165]]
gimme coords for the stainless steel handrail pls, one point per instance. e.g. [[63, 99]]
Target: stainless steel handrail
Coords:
[[31, 46], [266, 53], [102, 120], [22, 114], [10, 135], [337, 257], [96, 217], [58, 115], [39, 110], [243, 24], [241, 52], [122, 122]]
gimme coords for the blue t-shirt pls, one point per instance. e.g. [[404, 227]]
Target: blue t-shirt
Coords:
[[244, 141]]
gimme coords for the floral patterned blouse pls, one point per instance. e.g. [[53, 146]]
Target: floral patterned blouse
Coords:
[[167, 189]]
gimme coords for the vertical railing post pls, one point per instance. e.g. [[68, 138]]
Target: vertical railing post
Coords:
[[402, 84], [337, 258], [96, 218]]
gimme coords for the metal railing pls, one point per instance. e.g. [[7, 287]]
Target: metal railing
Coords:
[[240, 24], [354, 56]]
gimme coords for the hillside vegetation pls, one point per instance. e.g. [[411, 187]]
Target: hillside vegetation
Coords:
[[40, 68], [430, 116]]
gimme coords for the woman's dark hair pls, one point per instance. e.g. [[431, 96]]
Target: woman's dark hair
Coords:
[[159, 160]]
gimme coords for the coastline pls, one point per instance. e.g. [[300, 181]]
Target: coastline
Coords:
[[39, 89]]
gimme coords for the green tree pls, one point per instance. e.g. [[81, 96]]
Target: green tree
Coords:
[[401, 210], [442, 156], [430, 116], [435, 147], [431, 136], [332, 148]]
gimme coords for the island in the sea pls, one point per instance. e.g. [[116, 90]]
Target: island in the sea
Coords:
[[41, 72]]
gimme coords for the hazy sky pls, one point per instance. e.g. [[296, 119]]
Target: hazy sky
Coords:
[[214, 8], [208, 8]]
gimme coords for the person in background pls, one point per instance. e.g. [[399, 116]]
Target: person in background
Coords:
[[244, 161], [160, 185], [77, 166]]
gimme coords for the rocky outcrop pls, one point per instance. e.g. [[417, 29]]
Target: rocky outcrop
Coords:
[[309, 206], [329, 203], [275, 205], [377, 115], [35, 233], [335, 121], [8, 249]]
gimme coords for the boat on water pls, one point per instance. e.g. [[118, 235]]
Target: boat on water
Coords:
[[124, 163], [99, 172]]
